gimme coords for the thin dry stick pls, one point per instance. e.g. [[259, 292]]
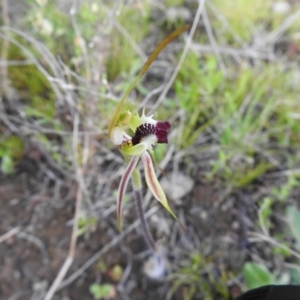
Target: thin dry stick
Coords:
[[287, 173], [82, 44], [183, 56], [15, 63], [292, 266], [131, 41], [107, 247], [64, 269], [176, 160], [33, 239], [234, 52], [9, 234], [144, 225], [213, 42], [5, 45], [225, 23], [261, 237], [274, 35], [30, 56], [151, 94]]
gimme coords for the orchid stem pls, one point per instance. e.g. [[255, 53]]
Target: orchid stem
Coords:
[[144, 225], [137, 187]]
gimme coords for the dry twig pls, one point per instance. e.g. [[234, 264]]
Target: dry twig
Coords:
[[4, 52], [213, 42], [9, 234], [183, 56], [107, 247], [69, 260], [259, 237]]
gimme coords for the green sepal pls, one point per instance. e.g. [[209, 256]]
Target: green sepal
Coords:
[[133, 150], [135, 122], [124, 118]]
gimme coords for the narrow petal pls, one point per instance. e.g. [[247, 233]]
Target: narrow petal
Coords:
[[153, 183], [123, 185]]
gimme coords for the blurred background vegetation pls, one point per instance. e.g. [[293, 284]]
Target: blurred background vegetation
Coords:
[[235, 111]]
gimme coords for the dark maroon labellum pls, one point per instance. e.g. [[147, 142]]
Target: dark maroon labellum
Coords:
[[160, 129]]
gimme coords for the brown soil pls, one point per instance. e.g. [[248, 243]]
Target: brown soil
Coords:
[[31, 258]]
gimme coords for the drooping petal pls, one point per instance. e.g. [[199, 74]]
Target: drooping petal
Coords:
[[153, 183], [123, 185]]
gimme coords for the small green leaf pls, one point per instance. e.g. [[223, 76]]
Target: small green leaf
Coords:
[[284, 278], [252, 174], [7, 164], [85, 223], [295, 275], [257, 275], [101, 291], [115, 273], [12, 146], [265, 211], [293, 216]]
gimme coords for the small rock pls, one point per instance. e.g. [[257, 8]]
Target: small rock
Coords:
[[40, 285], [176, 186], [176, 13], [204, 215], [235, 225], [14, 202], [157, 266], [17, 275], [281, 7], [161, 224]]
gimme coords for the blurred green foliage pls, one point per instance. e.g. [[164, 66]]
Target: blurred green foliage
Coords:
[[195, 278], [257, 275], [11, 150], [101, 291], [121, 51], [85, 224], [251, 113]]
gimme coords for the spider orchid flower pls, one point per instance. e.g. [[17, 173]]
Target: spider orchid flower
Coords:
[[147, 133]]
